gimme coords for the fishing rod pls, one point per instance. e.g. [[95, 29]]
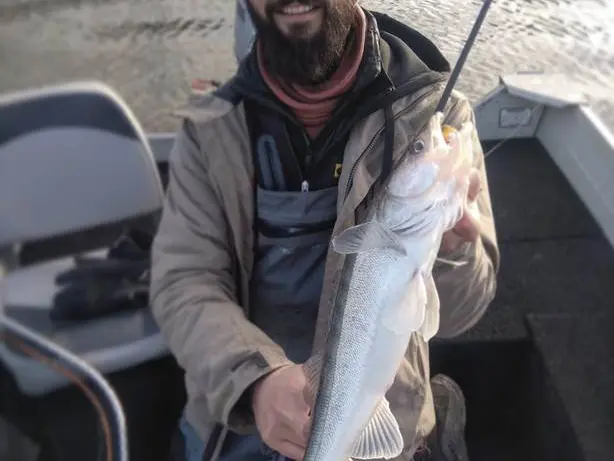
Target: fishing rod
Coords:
[[96, 388], [463, 56]]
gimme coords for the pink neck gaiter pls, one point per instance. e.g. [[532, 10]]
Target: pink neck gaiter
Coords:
[[314, 105]]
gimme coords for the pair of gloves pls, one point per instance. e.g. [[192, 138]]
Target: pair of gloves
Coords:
[[97, 287]]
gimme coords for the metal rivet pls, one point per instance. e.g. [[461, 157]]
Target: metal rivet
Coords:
[[418, 146]]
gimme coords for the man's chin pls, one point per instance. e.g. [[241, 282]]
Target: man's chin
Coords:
[[300, 26], [298, 36]]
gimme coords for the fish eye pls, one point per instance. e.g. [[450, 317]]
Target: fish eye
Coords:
[[419, 146]]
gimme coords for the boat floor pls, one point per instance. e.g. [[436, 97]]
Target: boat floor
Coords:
[[537, 371]]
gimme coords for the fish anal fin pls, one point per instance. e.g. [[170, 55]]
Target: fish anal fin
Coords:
[[366, 237], [381, 438]]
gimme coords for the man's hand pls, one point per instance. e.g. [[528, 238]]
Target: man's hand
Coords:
[[467, 229], [282, 411]]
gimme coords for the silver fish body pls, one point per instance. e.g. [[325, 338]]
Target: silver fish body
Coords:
[[381, 301]]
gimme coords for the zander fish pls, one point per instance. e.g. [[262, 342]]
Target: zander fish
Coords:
[[382, 299]]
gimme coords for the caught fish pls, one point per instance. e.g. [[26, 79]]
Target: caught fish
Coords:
[[382, 298]]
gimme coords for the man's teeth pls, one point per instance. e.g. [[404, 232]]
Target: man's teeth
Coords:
[[297, 9]]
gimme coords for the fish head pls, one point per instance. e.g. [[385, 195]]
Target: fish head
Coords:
[[434, 171], [420, 165], [426, 190]]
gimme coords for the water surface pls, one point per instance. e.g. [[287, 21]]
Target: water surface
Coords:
[[150, 50]]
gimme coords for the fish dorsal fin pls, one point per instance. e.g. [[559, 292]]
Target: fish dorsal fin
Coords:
[[366, 237], [381, 438]]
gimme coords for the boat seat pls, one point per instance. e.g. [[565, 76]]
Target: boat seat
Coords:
[[72, 158]]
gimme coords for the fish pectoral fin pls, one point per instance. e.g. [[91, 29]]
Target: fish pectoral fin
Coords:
[[410, 314], [366, 237], [381, 438]]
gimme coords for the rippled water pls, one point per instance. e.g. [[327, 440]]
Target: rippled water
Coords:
[[151, 50]]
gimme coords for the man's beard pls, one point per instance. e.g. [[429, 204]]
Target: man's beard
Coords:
[[300, 60]]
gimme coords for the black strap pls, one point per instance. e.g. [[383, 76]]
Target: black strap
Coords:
[[388, 143], [411, 86], [214, 439]]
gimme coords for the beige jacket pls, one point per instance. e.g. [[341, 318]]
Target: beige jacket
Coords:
[[203, 256]]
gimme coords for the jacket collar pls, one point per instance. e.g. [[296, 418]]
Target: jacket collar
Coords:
[[393, 51]]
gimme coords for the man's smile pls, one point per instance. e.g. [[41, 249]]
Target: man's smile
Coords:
[[295, 9], [296, 13]]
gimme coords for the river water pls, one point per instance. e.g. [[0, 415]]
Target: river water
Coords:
[[150, 50]]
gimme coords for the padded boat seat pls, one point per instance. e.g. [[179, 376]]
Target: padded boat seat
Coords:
[[72, 157], [111, 343]]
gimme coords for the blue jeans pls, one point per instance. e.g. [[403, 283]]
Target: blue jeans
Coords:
[[236, 447]]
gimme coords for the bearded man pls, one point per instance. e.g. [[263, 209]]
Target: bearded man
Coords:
[[259, 173]]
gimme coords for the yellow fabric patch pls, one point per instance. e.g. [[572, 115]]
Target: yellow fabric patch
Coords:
[[337, 171]]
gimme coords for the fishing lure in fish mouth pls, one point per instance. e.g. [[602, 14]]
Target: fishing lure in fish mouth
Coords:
[[435, 125], [448, 130]]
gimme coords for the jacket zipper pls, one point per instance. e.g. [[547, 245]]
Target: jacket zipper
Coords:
[[302, 174], [331, 130], [373, 143], [308, 161], [309, 155]]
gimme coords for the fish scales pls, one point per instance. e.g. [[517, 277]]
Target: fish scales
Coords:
[[358, 337]]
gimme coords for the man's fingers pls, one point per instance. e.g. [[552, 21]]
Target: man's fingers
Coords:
[[290, 450], [467, 228], [296, 431], [306, 430], [475, 185], [295, 415], [451, 241]]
